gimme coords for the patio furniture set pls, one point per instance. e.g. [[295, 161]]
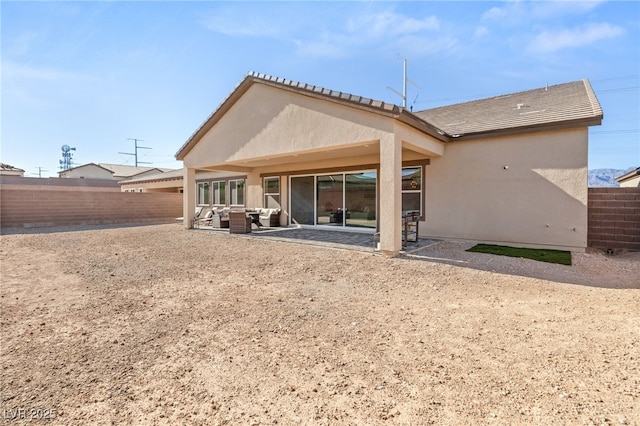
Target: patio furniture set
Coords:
[[238, 221]]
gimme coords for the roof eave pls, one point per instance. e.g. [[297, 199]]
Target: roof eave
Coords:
[[542, 127], [629, 175], [225, 106], [417, 123], [132, 181]]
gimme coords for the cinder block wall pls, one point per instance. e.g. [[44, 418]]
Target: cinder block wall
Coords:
[[31, 207], [614, 218]]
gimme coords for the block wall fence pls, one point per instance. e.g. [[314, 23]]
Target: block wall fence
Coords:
[[614, 218], [613, 213], [24, 206]]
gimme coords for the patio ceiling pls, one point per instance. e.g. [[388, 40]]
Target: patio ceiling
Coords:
[[361, 153]]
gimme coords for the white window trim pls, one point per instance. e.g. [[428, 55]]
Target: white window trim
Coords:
[[265, 193], [226, 195], [414, 191], [198, 192], [244, 195]]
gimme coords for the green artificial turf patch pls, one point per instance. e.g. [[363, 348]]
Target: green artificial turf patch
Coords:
[[552, 256]]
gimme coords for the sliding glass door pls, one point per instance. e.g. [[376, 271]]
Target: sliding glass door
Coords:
[[302, 196], [360, 199], [329, 200], [336, 200]]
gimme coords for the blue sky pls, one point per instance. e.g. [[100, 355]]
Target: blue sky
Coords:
[[93, 74]]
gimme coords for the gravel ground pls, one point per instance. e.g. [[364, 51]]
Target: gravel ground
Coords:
[[158, 325]]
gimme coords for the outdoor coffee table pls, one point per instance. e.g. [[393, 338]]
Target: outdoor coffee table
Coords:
[[255, 218]]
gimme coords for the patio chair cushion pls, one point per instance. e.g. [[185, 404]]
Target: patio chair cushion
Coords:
[[269, 217]]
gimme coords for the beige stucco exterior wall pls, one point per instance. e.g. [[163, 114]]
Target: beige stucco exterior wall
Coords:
[[521, 190], [273, 131], [174, 185], [631, 183], [88, 172], [271, 123]]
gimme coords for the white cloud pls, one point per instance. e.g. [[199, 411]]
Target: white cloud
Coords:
[[21, 44], [321, 49], [12, 70], [518, 12], [481, 31], [225, 24], [545, 9], [510, 12], [421, 45], [551, 41], [312, 37], [398, 32], [389, 23]]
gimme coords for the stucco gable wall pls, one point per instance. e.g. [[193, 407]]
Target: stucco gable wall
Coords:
[[631, 183], [539, 199], [89, 171], [267, 122], [147, 173]]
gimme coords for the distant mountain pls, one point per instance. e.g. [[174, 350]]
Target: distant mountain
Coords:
[[605, 177]]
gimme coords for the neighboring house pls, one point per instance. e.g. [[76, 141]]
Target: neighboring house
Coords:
[[107, 171], [510, 169], [630, 179], [169, 181], [8, 170]]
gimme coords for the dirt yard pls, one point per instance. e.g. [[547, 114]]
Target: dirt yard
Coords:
[[158, 325]]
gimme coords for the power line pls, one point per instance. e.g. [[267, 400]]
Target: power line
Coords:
[[628, 77], [618, 89]]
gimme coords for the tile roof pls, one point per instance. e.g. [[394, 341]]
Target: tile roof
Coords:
[[125, 170], [9, 168], [628, 175], [343, 96], [560, 103], [168, 174]]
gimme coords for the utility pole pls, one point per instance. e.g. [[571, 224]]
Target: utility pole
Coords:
[[40, 170], [135, 153]]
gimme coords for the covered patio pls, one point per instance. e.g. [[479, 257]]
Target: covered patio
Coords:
[[325, 158]]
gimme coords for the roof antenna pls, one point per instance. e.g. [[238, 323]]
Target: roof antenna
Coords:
[[405, 80], [546, 87]]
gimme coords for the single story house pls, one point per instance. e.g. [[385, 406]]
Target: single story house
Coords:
[[9, 170], [631, 179], [167, 181], [107, 171], [510, 169]]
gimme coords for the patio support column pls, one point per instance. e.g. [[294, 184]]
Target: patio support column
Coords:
[[188, 196], [390, 195], [254, 190]]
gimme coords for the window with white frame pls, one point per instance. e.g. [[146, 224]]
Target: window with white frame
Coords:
[[412, 189], [219, 190], [203, 194], [236, 192], [271, 187]]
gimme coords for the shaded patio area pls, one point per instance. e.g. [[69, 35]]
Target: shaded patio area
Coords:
[[359, 241]]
